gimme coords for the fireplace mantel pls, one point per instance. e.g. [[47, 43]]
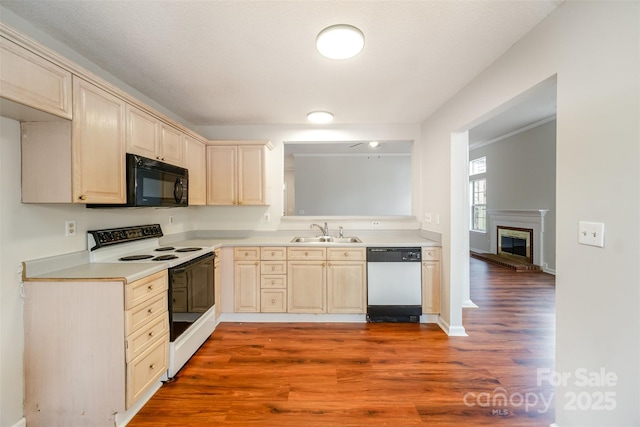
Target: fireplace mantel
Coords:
[[520, 218]]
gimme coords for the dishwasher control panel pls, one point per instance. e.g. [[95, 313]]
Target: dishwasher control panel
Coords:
[[394, 255]]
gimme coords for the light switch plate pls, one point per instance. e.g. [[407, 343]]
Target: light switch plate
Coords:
[[591, 233]]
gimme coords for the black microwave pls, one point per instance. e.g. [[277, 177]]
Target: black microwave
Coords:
[[153, 183]]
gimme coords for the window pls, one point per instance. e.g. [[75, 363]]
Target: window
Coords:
[[478, 193], [477, 166]]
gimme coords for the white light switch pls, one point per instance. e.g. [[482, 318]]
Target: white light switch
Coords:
[[591, 233]]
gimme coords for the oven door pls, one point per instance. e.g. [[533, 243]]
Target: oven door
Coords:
[[191, 293]]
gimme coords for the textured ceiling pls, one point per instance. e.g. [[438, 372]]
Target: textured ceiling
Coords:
[[254, 62]]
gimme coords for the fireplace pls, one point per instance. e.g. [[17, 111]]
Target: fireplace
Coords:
[[515, 242]]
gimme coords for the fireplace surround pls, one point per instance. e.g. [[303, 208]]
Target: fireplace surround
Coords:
[[519, 219]]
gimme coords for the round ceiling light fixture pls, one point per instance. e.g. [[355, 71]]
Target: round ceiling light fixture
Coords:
[[320, 117], [340, 41], [374, 144]]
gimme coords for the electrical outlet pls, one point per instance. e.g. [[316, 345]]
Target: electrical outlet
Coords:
[[170, 219], [437, 218], [375, 223], [69, 228], [267, 217], [427, 217]]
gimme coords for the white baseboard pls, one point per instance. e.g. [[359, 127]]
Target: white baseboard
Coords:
[[469, 304], [452, 331], [22, 422], [292, 317], [123, 418]]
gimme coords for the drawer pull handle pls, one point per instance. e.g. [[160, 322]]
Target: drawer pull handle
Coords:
[[150, 311]]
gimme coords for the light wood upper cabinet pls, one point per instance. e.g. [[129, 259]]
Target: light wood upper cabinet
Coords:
[[236, 174], [98, 145], [196, 163], [28, 79], [149, 137], [172, 146], [142, 133]]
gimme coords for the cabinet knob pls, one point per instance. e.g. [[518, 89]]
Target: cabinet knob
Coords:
[[273, 253], [150, 287], [82, 197], [273, 268], [346, 254], [152, 366], [273, 282], [256, 262], [150, 311], [246, 253], [273, 301], [306, 254], [151, 333]]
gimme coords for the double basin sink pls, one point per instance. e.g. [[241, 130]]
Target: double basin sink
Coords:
[[326, 239]]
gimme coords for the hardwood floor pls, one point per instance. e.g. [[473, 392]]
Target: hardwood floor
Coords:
[[377, 374]]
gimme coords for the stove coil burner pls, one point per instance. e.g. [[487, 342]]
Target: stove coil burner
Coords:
[[165, 248], [188, 249], [164, 257], [135, 257]]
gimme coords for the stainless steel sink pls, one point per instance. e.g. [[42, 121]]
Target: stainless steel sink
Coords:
[[326, 239]]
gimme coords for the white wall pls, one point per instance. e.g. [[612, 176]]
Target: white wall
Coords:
[[521, 174], [593, 47]]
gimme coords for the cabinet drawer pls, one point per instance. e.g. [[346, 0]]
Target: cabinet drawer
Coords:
[[142, 314], [307, 253], [345, 254], [145, 337], [273, 253], [430, 253], [241, 253], [273, 281], [273, 300], [143, 289], [273, 267], [144, 370]]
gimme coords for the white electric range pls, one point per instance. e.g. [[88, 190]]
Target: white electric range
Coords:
[[191, 288]]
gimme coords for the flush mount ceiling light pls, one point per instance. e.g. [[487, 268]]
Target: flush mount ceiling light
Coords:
[[320, 117], [340, 41], [374, 144]]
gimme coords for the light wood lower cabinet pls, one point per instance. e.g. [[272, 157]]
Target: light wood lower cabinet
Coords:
[[307, 287], [92, 348], [217, 282], [247, 279], [430, 280]]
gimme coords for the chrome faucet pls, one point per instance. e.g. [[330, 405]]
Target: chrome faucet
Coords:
[[325, 229], [340, 231]]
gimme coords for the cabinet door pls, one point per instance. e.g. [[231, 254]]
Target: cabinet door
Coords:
[[346, 287], [98, 145], [431, 287], [247, 286], [306, 287], [196, 163], [221, 175], [31, 80], [142, 133], [217, 284], [251, 175], [171, 145]]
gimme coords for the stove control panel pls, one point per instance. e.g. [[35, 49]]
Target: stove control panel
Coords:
[[113, 236]]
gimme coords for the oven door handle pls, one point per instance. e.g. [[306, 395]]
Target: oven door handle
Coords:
[[184, 267]]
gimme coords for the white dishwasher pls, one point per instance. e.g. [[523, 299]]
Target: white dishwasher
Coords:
[[394, 284]]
